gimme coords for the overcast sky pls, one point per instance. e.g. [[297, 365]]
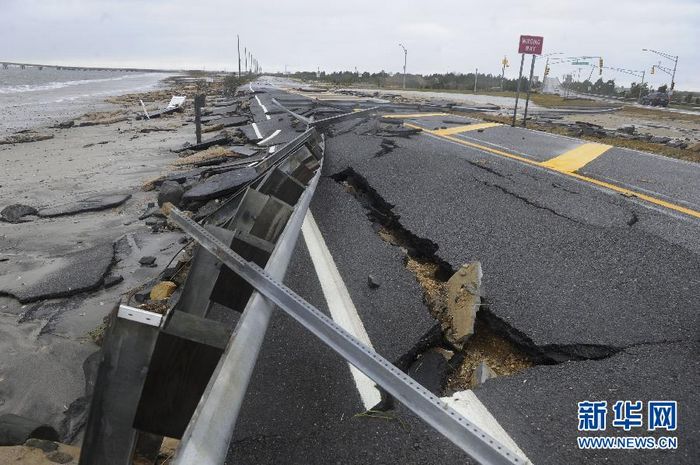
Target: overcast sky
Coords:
[[440, 35]]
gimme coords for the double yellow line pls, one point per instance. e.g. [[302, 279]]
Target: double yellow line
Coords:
[[567, 163]]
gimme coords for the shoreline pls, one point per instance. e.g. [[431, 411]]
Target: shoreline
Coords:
[[47, 334], [34, 109]]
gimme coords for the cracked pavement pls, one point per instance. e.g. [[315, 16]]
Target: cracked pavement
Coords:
[[601, 289]]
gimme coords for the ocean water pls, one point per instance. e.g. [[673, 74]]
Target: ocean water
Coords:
[[31, 97]]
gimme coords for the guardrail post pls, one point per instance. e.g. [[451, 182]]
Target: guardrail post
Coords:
[[110, 438], [198, 104]]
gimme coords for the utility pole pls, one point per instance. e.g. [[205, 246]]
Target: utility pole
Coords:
[[405, 56], [476, 76], [238, 41], [245, 54], [668, 56]]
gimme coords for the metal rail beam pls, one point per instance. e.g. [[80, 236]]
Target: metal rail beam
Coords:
[[204, 443], [206, 440]]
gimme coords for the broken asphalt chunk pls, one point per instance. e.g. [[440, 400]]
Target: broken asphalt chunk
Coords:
[[170, 191], [463, 301], [148, 261], [221, 139], [430, 370], [15, 213], [372, 282], [231, 121], [113, 280], [219, 185], [62, 276], [481, 374], [95, 203]]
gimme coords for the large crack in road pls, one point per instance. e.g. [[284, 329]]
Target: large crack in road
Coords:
[[503, 347]]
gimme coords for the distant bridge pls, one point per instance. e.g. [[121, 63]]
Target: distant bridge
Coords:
[[7, 64]]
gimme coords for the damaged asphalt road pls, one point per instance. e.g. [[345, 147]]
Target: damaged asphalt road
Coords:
[[599, 291]]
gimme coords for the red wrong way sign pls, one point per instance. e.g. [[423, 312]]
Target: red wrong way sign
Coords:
[[531, 45]]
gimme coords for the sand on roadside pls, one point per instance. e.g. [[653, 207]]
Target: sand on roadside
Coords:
[[44, 343]]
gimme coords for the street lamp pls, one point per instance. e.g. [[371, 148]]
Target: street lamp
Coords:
[[405, 55], [668, 56]]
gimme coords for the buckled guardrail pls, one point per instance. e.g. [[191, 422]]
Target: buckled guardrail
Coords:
[[155, 368], [184, 374]]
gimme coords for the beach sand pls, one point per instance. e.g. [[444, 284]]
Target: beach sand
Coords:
[[43, 344]]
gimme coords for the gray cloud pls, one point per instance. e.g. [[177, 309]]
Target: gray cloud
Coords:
[[440, 35]]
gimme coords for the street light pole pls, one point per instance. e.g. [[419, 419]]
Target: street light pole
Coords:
[[238, 41], [476, 76], [405, 57]]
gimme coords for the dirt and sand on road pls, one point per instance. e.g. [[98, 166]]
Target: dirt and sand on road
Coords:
[[78, 234]]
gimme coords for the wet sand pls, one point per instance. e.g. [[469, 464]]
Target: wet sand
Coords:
[[43, 343]]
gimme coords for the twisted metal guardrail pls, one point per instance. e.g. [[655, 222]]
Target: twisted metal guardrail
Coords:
[[185, 374]]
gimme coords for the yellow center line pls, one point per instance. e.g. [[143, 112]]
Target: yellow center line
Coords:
[[416, 115], [612, 187], [460, 129], [575, 159]]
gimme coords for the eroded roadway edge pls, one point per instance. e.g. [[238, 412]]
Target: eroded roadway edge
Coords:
[[564, 272]]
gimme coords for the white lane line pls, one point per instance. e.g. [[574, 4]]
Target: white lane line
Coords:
[[264, 109], [272, 149], [257, 131], [470, 407], [339, 302], [267, 139]]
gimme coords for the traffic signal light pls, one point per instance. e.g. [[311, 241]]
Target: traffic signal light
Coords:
[[600, 66], [652, 70]]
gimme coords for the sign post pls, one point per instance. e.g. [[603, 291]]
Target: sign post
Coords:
[[517, 92], [529, 45], [529, 87]]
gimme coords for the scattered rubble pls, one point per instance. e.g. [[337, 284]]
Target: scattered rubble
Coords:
[[94, 203]]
